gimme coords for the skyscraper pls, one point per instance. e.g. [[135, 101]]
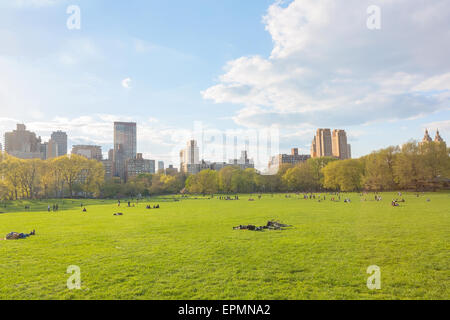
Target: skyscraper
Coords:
[[60, 138], [322, 145], [125, 146], [327, 144], [189, 157], [340, 145], [52, 149]]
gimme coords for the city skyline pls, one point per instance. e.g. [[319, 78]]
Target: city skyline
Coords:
[[231, 76], [326, 143]]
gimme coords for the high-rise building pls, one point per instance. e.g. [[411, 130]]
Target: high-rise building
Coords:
[[322, 144], [340, 145], [60, 138], [327, 144], [22, 143], [49, 150], [125, 146], [111, 154], [108, 165], [88, 151], [44, 148], [189, 158], [52, 149], [160, 166], [314, 148]]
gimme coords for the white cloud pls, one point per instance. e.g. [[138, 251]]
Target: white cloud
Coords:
[[327, 69], [437, 83]]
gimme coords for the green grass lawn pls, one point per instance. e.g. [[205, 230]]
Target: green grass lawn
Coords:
[[188, 249]]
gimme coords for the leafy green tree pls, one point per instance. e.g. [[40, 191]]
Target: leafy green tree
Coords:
[[330, 176], [300, 178], [379, 170], [436, 161], [29, 172], [10, 167], [409, 168], [225, 179], [344, 175], [316, 166]]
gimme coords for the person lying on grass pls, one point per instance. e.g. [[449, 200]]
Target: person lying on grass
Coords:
[[17, 236]]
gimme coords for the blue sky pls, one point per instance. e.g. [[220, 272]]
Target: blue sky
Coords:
[[232, 65]]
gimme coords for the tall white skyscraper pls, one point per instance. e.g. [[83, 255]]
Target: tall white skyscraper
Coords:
[[189, 157]]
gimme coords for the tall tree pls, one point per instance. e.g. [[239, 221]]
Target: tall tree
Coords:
[[71, 169], [300, 178], [379, 170], [225, 179], [10, 167], [409, 168]]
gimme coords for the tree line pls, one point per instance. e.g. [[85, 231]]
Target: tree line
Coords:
[[410, 167], [54, 178], [413, 166]]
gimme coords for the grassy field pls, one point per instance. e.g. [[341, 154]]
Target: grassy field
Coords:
[[188, 249]]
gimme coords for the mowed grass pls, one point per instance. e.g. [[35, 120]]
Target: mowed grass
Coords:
[[188, 249]]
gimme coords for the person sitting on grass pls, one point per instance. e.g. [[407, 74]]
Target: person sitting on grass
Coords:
[[17, 236], [84, 210], [395, 203]]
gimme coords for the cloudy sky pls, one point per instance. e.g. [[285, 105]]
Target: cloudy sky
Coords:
[[235, 66]]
